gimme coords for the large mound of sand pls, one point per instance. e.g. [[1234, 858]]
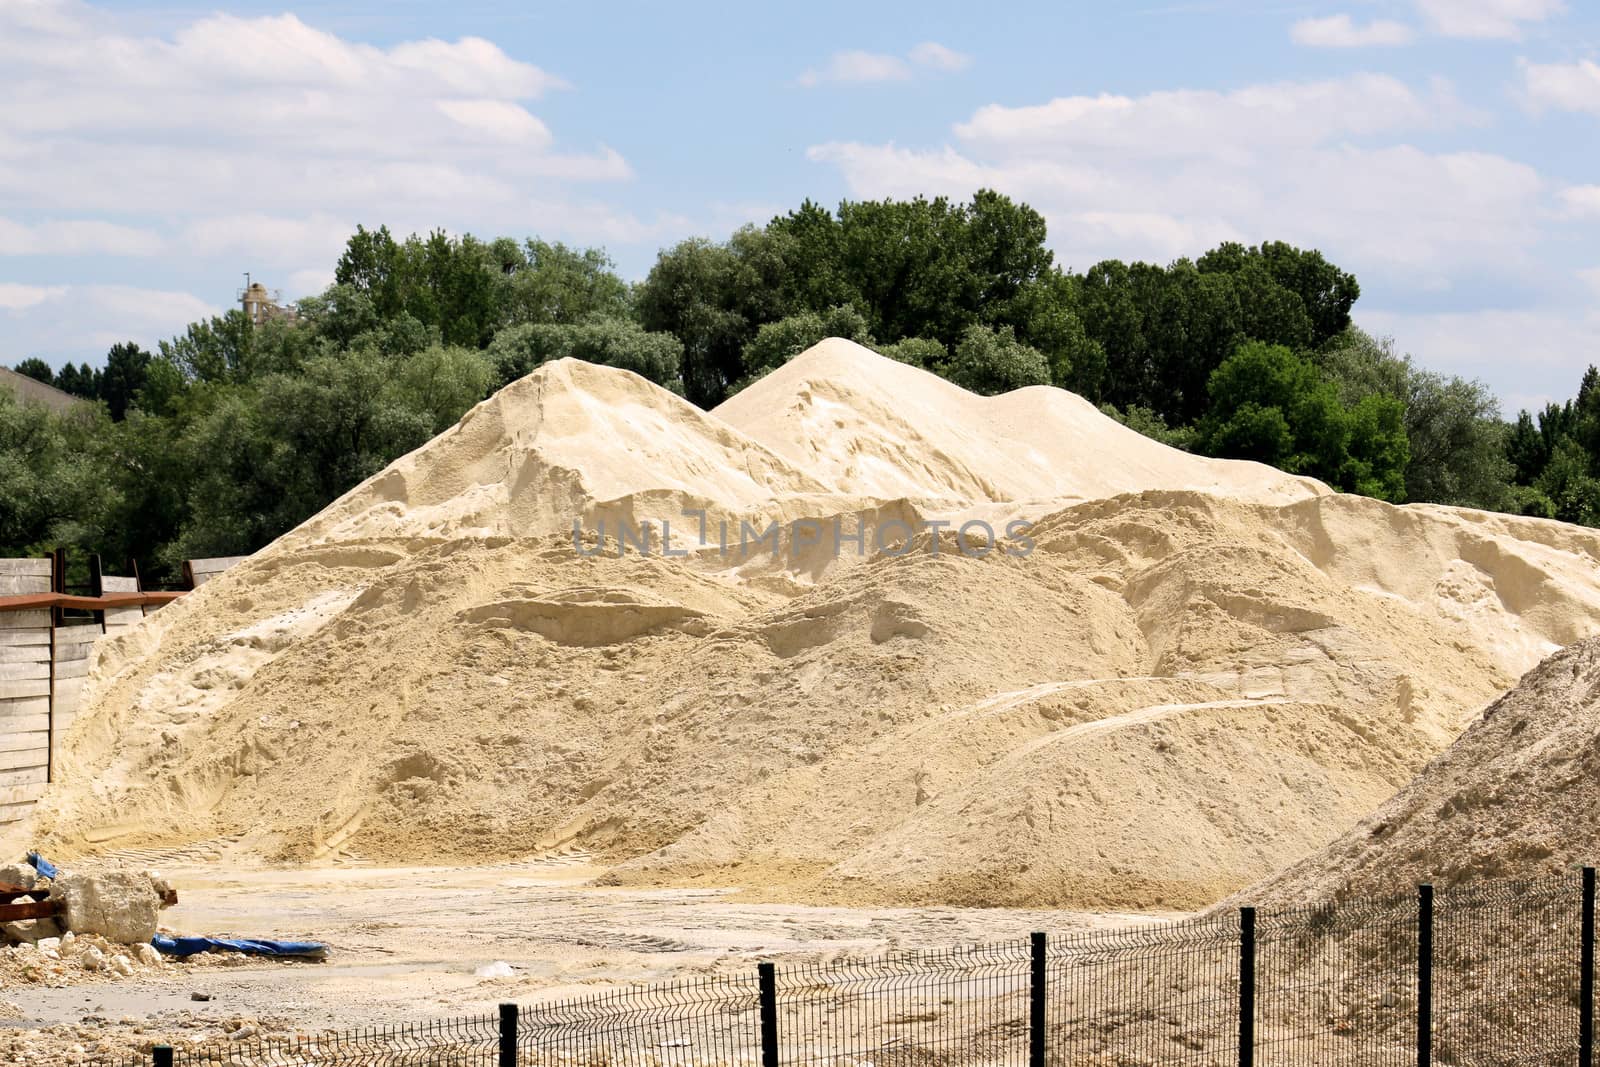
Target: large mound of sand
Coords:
[[1202, 670], [1515, 796], [871, 426]]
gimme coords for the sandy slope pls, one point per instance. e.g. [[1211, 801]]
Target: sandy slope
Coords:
[[1515, 796], [1201, 671]]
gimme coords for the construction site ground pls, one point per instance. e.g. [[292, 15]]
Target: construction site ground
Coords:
[[405, 943]]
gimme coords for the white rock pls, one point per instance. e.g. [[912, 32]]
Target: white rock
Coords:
[[120, 906], [122, 965], [497, 969], [92, 959], [148, 955]]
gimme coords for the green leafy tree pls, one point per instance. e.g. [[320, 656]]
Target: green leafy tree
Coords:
[[558, 284], [1147, 422], [1379, 450], [1271, 272], [37, 369], [989, 361], [518, 350], [1456, 443], [776, 343], [1568, 482], [441, 382], [1270, 405], [50, 492], [922, 352], [81, 380], [694, 293], [127, 367]]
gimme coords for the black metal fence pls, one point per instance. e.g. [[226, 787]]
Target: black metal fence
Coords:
[[1495, 974]]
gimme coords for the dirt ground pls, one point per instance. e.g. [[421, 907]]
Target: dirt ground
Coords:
[[404, 944]]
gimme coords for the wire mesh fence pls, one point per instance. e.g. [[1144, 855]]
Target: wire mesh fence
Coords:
[[1497, 974]]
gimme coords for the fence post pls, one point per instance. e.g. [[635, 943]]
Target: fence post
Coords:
[[1424, 976], [1036, 1001], [1247, 987], [1586, 975], [769, 1014], [161, 1056], [508, 1035]]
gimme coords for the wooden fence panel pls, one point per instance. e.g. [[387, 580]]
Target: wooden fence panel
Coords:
[[25, 660], [197, 572]]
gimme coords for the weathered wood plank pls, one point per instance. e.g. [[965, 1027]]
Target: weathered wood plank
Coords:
[[17, 672], [25, 638], [29, 723], [29, 619], [24, 653], [72, 668], [22, 794], [22, 742], [69, 696], [23, 758], [203, 570], [116, 583], [10, 709], [19, 567], [28, 687], [10, 586], [25, 776]]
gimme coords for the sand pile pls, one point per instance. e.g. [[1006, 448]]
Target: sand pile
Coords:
[[882, 429], [1185, 673], [1515, 796]]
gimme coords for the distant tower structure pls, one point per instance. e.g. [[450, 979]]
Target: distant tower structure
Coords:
[[261, 304]]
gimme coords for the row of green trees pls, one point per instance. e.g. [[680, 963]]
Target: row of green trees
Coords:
[[231, 433]]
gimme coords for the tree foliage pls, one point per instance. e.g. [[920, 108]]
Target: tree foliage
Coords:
[[1275, 407], [989, 361]]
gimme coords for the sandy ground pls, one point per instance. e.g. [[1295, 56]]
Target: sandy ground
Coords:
[[404, 943]]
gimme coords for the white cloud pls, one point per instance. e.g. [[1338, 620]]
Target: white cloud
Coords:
[[14, 297], [858, 68], [1340, 31], [65, 237], [935, 55], [1196, 122], [872, 68], [1582, 201], [82, 321], [1564, 86], [1172, 173], [308, 282], [268, 240], [262, 140], [1524, 354], [1591, 278], [1502, 19]]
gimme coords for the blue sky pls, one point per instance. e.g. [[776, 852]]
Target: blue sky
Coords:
[[1446, 151]]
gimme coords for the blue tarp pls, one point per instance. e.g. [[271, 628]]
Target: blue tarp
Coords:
[[43, 866], [189, 946]]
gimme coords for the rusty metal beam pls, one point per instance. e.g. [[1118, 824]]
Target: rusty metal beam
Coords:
[[35, 601]]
